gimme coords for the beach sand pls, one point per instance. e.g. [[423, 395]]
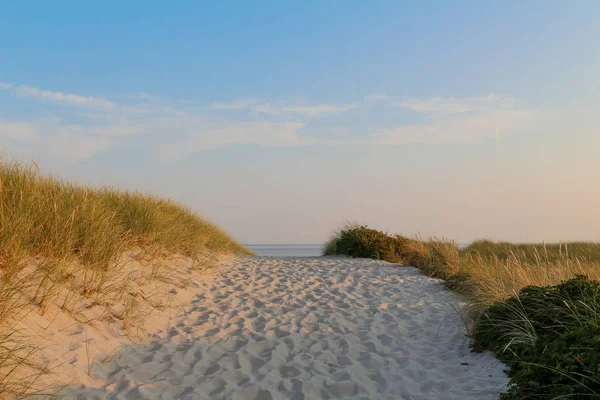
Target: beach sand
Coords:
[[304, 328]]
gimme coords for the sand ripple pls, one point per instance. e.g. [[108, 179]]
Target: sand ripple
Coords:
[[308, 328]]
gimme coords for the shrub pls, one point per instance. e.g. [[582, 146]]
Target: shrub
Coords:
[[369, 243], [550, 338], [330, 247], [436, 257]]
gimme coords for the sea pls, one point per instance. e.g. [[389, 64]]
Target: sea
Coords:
[[286, 250], [294, 250]]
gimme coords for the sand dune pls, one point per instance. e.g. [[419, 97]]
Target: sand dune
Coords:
[[306, 328]]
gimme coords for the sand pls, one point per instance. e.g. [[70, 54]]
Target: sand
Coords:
[[305, 328]]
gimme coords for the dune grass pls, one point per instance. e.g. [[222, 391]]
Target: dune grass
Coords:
[[585, 251], [55, 234], [551, 343]]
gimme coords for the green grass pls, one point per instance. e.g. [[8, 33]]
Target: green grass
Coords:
[[535, 305], [55, 234], [550, 338]]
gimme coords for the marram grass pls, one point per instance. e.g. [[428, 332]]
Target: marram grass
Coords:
[[54, 233]]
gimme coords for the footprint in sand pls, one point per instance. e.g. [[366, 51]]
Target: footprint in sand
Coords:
[[308, 328]]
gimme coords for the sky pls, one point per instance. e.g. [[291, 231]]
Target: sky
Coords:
[[280, 121]]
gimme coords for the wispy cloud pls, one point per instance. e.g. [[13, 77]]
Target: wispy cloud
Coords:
[[377, 96], [457, 130], [445, 106], [458, 120], [50, 137], [145, 96], [268, 134], [257, 105], [239, 104], [19, 131], [61, 97], [321, 109], [176, 129]]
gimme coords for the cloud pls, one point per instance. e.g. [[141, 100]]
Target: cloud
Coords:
[[16, 131], [145, 110], [458, 130], [49, 137], [176, 129], [5, 86], [240, 104], [114, 129], [458, 120], [150, 106], [377, 96], [314, 111], [257, 105], [146, 96], [445, 106], [60, 97], [265, 108], [78, 146], [268, 134]]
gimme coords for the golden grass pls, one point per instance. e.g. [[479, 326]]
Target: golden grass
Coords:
[[487, 279], [55, 235], [484, 272], [588, 251]]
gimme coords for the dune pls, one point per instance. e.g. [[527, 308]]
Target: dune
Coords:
[[293, 328]]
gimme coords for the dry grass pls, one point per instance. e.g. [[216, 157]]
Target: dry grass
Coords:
[[585, 251], [486, 279], [15, 352], [484, 272], [56, 235]]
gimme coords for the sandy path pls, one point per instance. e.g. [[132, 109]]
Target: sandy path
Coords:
[[307, 328]]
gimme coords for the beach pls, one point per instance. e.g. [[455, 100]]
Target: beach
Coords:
[[304, 328]]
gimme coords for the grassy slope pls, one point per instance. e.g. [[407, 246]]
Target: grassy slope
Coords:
[[48, 226], [549, 340]]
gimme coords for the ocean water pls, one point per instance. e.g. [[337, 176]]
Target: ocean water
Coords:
[[292, 250], [286, 250]]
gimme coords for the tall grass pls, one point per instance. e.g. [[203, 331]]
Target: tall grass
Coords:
[[585, 251], [485, 272], [496, 278], [56, 234]]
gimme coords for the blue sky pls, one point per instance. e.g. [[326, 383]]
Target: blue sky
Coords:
[[281, 120]]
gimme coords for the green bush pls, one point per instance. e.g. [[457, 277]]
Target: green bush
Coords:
[[549, 337], [435, 257], [368, 243]]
